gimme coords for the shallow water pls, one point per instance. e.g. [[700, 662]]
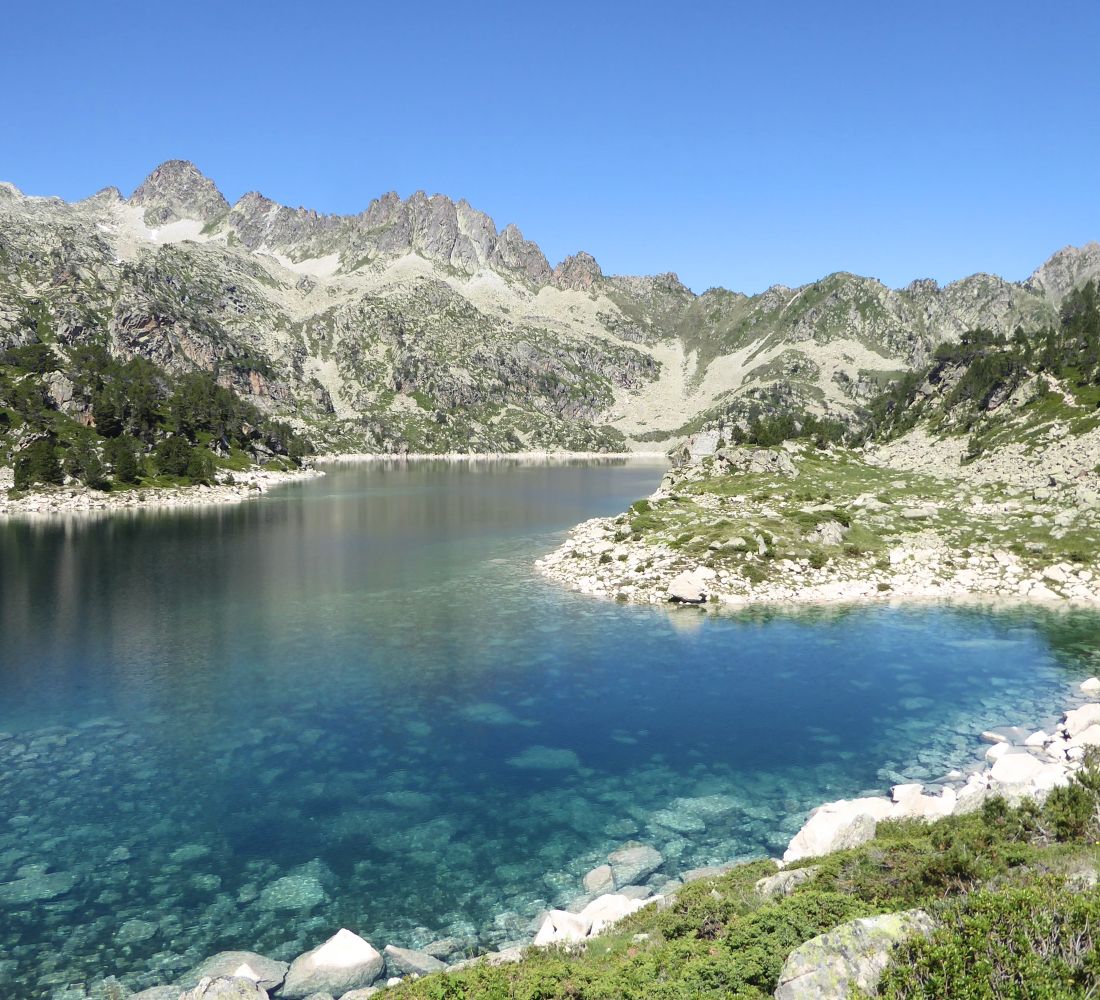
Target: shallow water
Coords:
[[354, 703]]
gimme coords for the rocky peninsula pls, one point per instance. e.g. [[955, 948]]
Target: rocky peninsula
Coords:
[[911, 520]]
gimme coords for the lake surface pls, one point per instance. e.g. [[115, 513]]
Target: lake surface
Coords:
[[354, 703]]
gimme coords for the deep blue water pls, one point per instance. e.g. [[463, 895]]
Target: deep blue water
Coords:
[[361, 683]]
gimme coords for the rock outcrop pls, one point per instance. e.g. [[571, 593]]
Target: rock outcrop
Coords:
[[851, 956]]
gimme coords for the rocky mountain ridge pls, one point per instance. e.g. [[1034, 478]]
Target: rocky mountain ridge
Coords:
[[418, 325]]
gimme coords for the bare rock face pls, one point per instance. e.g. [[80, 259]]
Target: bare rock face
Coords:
[[513, 253], [178, 190], [579, 272], [1069, 268]]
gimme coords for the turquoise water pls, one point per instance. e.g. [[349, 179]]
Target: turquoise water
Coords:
[[354, 703]]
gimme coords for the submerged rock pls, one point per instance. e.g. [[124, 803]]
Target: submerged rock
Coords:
[[540, 758], [344, 962], [599, 880], [633, 864], [135, 931], [293, 892], [851, 956], [36, 888]]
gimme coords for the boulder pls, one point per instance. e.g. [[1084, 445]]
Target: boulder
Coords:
[[344, 962], [1089, 737], [633, 864], [599, 880], [37, 887], [836, 826], [267, 973], [609, 909], [561, 927], [1015, 768], [300, 891], [785, 882], [1091, 686], [851, 956], [225, 988], [687, 588], [1081, 718], [406, 962]]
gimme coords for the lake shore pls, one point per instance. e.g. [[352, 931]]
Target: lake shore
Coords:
[[486, 456], [795, 525], [64, 500]]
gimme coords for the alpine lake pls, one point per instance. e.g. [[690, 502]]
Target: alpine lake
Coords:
[[355, 703]]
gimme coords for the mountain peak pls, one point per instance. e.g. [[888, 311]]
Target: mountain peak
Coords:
[[177, 189], [579, 272], [1069, 268]]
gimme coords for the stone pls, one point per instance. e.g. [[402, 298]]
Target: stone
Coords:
[[406, 962], [268, 973], [1078, 720], [157, 993], [599, 880], [361, 994], [785, 882], [135, 931], [444, 948], [344, 962], [1091, 686], [851, 956], [609, 909], [687, 588], [36, 888], [225, 988], [837, 826], [293, 892], [561, 927], [633, 864], [1015, 768], [1086, 738]]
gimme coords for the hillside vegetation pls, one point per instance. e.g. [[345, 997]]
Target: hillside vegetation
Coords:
[[81, 413]]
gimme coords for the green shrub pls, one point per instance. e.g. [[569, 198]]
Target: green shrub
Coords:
[[172, 456], [1034, 943], [122, 454], [37, 464]]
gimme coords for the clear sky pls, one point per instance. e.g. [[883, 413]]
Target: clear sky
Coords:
[[736, 144]]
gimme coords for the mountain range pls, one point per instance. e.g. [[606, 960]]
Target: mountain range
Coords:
[[419, 325]]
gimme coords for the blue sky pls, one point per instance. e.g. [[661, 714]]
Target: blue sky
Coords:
[[736, 144]]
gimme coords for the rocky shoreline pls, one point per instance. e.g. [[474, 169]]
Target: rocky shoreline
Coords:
[[1019, 764], [794, 526], [81, 500]]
